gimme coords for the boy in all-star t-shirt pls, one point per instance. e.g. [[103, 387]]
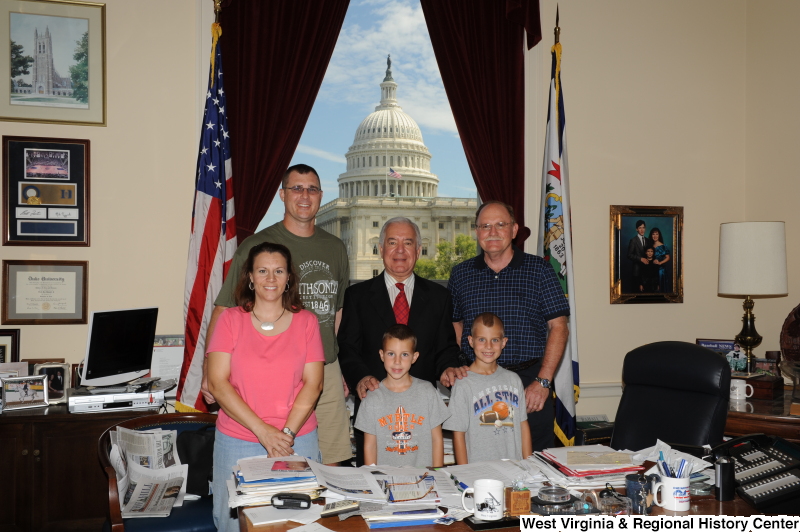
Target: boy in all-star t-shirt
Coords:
[[402, 419], [487, 409]]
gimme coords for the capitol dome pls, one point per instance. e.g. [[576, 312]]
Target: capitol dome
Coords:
[[388, 139]]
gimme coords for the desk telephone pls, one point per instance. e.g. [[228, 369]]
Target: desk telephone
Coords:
[[766, 470]]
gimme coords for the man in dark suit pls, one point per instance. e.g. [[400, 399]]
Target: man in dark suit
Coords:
[[636, 248], [397, 296]]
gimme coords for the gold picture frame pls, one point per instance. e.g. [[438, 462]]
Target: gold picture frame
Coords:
[[635, 277], [69, 38]]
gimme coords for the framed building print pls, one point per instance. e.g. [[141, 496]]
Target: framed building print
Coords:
[[646, 254], [45, 191], [42, 292], [56, 62]]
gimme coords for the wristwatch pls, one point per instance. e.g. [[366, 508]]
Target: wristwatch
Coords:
[[287, 430], [544, 382]]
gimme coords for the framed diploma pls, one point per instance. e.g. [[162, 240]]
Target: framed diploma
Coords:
[[43, 292], [45, 191]]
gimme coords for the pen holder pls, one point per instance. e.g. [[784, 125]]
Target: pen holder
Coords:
[[672, 494]]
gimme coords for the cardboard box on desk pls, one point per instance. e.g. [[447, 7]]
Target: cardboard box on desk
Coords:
[[765, 386]]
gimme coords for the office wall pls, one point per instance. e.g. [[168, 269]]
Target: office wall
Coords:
[[772, 189], [142, 172], [679, 103], [655, 105]]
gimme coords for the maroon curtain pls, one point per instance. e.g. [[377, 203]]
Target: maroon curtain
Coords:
[[275, 54], [480, 56]]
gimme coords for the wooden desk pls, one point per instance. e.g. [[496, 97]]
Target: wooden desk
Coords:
[[704, 505], [768, 416]]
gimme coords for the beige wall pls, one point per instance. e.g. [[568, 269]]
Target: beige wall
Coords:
[[655, 105], [142, 173], [772, 190], [674, 103]]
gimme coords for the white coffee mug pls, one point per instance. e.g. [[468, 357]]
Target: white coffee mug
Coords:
[[740, 405], [739, 389], [488, 495], [672, 494]]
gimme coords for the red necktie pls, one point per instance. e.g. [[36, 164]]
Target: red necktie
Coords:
[[401, 305]]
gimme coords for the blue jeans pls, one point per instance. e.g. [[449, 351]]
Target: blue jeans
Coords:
[[227, 451]]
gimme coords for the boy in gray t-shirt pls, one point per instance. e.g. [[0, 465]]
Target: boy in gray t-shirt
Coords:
[[402, 419], [487, 409]]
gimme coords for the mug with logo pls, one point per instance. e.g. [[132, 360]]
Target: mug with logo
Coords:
[[672, 494], [739, 390], [489, 499]]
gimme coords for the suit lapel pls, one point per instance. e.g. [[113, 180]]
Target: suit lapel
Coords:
[[380, 301], [419, 302]]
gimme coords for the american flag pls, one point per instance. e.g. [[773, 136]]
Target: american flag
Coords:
[[213, 236], [394, 174]]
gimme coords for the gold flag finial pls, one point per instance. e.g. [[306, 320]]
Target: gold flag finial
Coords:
[[557, 30], [217, 10]]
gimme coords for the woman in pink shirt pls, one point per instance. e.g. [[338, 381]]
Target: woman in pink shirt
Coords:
[[265, 368]]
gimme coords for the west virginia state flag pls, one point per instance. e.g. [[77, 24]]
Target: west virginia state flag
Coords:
[[555, 245]]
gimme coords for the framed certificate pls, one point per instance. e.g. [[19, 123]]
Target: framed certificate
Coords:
[[41, 292], [45, 191]]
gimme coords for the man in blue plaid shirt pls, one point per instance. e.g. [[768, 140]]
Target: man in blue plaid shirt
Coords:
[[523, 290]]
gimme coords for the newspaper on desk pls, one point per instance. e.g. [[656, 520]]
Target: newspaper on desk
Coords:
[[356, 484], [150, 476]]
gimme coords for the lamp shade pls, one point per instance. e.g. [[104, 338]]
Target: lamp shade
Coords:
[[752, 259]]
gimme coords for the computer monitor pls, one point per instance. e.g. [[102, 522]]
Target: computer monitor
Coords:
[[119, 348]]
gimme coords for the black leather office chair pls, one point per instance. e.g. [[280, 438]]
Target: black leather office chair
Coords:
[[193, 516], [676, 392]]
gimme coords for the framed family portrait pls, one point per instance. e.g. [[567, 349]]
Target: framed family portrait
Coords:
[[646, 254], [9, 345], [55, 57], [42, 292], [59, 378], [46, 191]]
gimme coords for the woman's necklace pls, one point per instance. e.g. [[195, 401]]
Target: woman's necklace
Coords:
[[268, 325]]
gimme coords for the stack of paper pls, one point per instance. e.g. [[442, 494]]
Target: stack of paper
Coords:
[[256, 479], [408, 516], [587, 466]]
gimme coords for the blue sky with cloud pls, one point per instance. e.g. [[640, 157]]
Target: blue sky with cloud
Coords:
[[350, 91]]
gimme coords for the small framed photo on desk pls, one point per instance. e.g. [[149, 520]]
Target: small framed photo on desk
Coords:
[[24, 392], [728, 349], [59, 378]]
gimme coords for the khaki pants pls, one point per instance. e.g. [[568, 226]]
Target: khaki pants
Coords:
[[332, 418]]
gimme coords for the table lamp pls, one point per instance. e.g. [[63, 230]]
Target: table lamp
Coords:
[[752, 262]]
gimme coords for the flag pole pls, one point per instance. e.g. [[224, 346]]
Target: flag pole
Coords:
[[557, 30]]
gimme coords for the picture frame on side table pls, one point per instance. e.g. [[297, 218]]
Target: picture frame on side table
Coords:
[[59, 378], [14, 369], [24, 392], [728, 349], [637, 277], [33, 361], [44, 292], [9, 345], [56, 62], [45, 191]]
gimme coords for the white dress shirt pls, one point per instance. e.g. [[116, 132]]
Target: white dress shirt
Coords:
[[394, 291]]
